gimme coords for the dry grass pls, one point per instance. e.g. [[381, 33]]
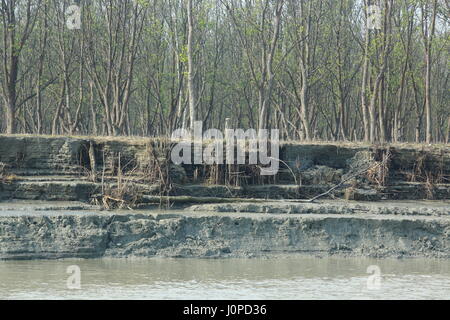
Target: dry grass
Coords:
[[429, 170], [122, 187], [234, 174], [157, 170], [379, 173], [118, 192]]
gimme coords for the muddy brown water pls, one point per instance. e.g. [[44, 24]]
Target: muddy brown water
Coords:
[[293, 277], [285, 278]]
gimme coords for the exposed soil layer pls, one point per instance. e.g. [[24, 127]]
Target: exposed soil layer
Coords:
[[30, 230], [68, 168], [48, 186]]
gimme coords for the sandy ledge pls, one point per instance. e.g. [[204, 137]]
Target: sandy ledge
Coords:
[[40, 230]]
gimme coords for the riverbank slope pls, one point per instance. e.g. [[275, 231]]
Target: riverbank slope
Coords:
[[88, 197], [30, 230]]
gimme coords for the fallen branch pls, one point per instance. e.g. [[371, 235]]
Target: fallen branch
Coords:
[[377, 165]]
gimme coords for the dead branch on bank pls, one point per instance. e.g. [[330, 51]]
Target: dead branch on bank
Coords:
[[380, 167]]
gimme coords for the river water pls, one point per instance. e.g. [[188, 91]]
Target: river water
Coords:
[[281, 278]]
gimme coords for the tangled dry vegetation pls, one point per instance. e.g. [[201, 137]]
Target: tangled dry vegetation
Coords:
[[123, 181], [378, 172], [128, 182], [234, 175], [430, 171], [2, 170], [6, 177]]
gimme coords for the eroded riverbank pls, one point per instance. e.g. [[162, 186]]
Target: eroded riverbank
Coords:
[[396, 201], [44, 231]]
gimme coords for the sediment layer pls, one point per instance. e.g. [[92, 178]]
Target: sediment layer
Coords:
[[49, 233], [65, 169], [59, 168]]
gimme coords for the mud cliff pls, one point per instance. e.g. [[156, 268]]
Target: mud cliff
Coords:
[[220, 235], [64, 168], [66, 197]]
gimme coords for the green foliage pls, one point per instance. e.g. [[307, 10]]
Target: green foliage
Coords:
[[130, 58]]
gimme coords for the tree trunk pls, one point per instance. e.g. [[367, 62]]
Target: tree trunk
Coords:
[[191, 70], [364, 83]]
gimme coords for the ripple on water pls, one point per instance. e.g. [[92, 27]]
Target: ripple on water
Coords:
[[291, 278]]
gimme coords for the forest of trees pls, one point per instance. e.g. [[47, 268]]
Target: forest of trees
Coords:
[[315, 69]]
